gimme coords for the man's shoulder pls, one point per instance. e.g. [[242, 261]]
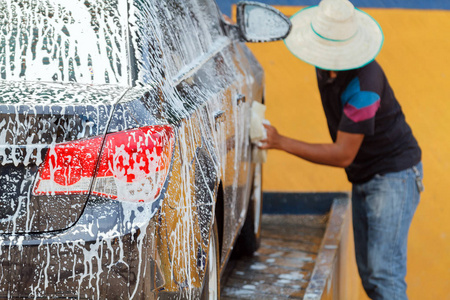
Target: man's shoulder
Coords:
[[372, 77], [371, 69]]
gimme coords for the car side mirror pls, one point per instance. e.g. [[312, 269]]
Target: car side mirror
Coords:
[[259, 22]]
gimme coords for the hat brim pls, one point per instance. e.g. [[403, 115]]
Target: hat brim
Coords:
[[356, 52]]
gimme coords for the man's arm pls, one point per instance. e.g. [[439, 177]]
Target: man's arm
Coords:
[[339, 154]]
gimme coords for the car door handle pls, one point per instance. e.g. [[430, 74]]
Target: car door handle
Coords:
[[240, 99], [219, 117]]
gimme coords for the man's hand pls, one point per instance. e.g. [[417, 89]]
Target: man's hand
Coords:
[[273, 138]]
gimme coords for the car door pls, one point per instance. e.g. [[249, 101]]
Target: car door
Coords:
[[232, 68]]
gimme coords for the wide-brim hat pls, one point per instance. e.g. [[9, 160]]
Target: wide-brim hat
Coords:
[[334, 36]]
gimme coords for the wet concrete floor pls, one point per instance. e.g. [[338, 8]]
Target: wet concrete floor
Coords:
[[282, 267]]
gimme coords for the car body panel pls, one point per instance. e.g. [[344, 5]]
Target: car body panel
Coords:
[[179, 68]]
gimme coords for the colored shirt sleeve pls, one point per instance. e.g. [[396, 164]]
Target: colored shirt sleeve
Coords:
[[359, 108]]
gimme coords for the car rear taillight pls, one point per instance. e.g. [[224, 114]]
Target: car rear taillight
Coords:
[[68, 168], [133, 166]]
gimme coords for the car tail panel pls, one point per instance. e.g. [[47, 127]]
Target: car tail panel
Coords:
[[53, 133]]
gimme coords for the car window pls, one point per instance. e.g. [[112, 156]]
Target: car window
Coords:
[[88, 41], [64, 41], [171, 34], [210, 14]]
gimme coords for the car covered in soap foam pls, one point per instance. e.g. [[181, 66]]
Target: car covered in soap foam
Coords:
[[126, 165]]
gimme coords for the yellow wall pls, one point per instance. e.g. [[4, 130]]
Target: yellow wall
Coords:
[[416, 59]]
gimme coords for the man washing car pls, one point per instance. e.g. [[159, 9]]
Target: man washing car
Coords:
[[371, 138]]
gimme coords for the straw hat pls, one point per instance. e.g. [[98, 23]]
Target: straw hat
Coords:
[[334, 36]]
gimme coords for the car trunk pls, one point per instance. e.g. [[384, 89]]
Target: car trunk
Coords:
[[36, 120]]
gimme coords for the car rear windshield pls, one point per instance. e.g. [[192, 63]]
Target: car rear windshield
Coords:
[[82, 41]]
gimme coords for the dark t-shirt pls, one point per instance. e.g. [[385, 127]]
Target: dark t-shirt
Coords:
[[362, 101]]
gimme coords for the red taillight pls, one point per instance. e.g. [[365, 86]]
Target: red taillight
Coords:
[[68, 168], [133, 166]]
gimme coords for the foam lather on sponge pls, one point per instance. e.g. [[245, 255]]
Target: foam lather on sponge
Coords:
[[258, 132]]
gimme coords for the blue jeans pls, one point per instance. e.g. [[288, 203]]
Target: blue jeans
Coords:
[[382, 212]]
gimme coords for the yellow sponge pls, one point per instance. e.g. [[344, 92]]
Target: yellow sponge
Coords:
[[258, 132]]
